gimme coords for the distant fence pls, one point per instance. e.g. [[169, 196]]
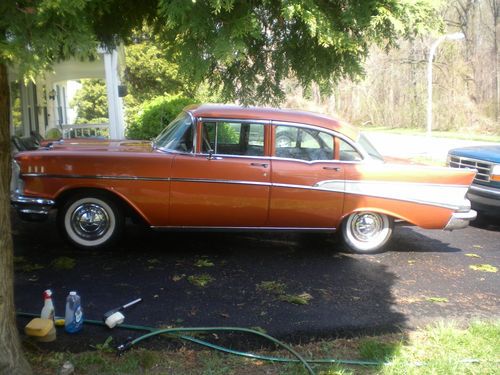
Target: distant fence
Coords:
[[85, 130]]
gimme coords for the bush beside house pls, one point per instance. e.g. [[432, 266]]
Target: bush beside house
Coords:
[[154, 115]]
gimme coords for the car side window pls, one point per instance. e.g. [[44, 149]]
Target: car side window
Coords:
[[233, 138], [303, 143], [347, 152]]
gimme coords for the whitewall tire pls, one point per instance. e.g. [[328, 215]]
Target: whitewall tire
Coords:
[[91, 221], [367, 232]]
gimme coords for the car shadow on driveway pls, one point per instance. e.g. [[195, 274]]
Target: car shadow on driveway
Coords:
[[295, 287], [407, 239]]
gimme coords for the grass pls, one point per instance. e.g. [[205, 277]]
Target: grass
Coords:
[[437, 299], [63, 263], [483, 267], [200, 280], [278, 289], [203, 262], [442, 348], [438, 134], [22, 265]]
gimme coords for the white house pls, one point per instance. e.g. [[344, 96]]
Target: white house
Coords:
[[44, 104]]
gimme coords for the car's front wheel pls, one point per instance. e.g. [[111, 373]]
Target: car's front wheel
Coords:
[[367, 232], [91, 221]]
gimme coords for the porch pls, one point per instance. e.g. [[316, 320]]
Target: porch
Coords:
[[44, 104]]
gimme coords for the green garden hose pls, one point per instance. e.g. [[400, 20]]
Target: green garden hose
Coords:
[[177, 333]]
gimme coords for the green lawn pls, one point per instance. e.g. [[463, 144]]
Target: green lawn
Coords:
[[442, 348]]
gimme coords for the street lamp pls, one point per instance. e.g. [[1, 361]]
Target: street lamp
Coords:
[[437, 42]]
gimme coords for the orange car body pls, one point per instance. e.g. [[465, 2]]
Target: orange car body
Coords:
[[200, 189]]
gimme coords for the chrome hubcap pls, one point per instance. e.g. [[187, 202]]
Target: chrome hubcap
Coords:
[[90, 221], [366, 226]]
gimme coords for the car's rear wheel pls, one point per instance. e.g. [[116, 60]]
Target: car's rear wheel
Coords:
[[367, 232], [91, 221]]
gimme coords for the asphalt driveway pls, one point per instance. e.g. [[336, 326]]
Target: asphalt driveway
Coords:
[[294, 286]]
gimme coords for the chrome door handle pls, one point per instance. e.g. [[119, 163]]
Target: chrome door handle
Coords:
[[337, 169], [263, 165]]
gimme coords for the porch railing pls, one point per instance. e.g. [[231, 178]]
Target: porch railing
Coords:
[[85, 130]]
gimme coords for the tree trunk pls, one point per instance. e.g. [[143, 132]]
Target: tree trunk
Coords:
[[12, 360]]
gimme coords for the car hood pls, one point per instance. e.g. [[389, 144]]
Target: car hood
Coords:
[[486, 153], [86, 145]]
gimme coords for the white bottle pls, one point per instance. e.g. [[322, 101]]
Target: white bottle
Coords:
[[48, 311]]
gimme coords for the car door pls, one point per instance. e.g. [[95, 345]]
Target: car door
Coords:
[[227, 182], [307, 183]]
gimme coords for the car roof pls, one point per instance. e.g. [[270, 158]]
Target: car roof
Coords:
[[275, 114]]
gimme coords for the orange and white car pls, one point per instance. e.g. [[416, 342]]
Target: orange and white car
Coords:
[[233, 168]]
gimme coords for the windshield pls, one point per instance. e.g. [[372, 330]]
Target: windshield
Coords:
[[369, 148], [177, 136]]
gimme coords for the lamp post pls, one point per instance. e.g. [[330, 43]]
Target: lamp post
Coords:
[[432, 52]]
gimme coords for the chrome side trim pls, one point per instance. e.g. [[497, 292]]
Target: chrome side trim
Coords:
[[229, 156], [440, 195], [239, 229], [311, 162], [216, 181], [78, 176]]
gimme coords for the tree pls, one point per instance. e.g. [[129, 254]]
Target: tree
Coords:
[[91, 102], [249, 48], [246, 48], [147, 73]]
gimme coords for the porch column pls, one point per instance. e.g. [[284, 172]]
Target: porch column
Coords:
[[115, 103]]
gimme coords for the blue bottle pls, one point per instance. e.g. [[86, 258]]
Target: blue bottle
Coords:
[[73, 318]]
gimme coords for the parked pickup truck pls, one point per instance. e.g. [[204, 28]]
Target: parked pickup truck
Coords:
[[484, 193]]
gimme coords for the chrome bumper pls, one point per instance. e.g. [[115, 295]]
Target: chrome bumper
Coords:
[[31, 207], [460, 220]]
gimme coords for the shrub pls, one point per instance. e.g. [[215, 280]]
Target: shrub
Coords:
[[53, 133], [154, 115]]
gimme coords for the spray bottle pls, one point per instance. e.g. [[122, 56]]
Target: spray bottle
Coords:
[[48, 307]]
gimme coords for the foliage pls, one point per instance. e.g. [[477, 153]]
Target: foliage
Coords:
[[279, 290], [91, 102], [148, 74], [248, 48], [32, 40], [437, 349], [154, 115], [201, 280], [53, 133], [63, 263]]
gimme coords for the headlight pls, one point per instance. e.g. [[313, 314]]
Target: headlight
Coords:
[[495, 173], [16, 183]]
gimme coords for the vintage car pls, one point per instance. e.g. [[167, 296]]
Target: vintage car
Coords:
[[484, 193], [233, 168]]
